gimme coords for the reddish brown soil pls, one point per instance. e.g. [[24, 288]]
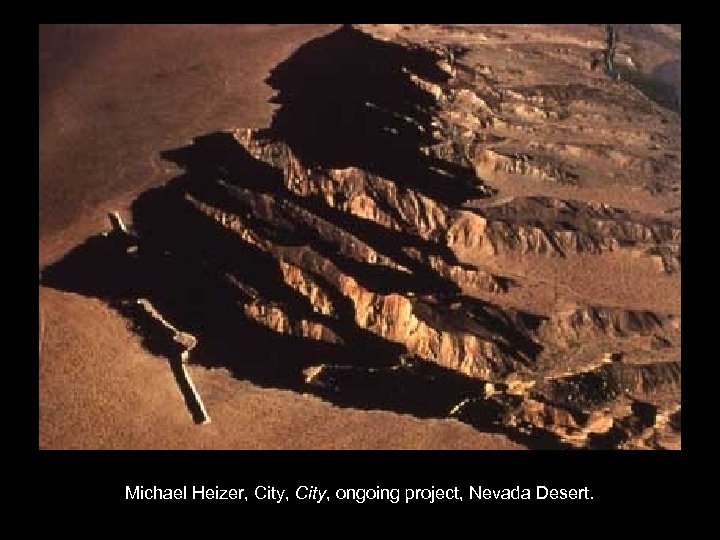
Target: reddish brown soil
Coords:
[[113, 96]]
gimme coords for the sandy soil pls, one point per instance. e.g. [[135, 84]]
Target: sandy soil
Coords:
[[112, 97], [100, 389]]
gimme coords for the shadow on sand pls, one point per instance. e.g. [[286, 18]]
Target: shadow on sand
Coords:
[[189, 266]]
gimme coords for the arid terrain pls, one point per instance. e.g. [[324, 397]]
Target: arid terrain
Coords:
[[367, 236]]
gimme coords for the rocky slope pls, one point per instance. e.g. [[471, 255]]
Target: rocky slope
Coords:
[[365, 246]]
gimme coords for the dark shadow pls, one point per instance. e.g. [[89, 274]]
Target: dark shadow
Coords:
[[218, 156], [348, 100], [190, 266], [662, 92], [642, 416], [200, 274]]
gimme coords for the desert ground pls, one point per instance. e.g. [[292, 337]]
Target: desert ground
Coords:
[[376, 236]]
